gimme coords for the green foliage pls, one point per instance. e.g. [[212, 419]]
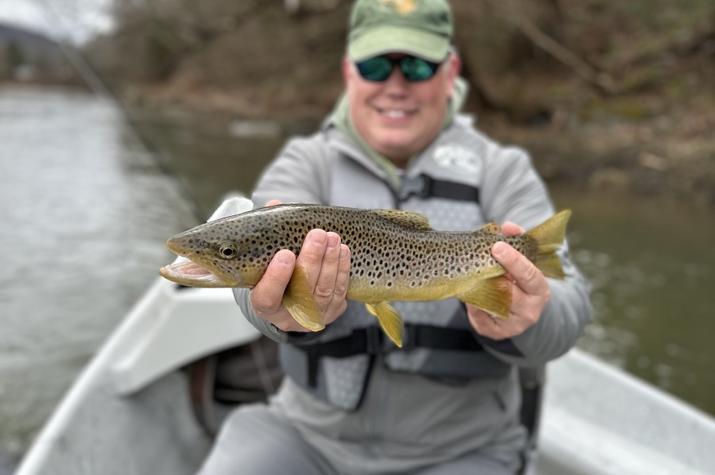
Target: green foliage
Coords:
[[14, 56]]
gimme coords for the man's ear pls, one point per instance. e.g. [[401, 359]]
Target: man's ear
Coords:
[[454, 66], [346, 69]]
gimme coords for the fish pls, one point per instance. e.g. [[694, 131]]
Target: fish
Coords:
[[395, 256]]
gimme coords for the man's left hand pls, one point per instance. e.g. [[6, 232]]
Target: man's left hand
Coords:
[[529, 295]]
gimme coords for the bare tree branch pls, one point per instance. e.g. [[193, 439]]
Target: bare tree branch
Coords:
[[513, 12]]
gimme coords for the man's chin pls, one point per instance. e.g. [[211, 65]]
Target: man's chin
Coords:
[[398, 149]]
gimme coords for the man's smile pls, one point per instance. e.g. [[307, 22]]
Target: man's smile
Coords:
[[396, 112]]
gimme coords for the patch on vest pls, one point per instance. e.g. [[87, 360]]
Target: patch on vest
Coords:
[[455, 157]]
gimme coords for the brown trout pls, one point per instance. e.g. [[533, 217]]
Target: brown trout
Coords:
[[395, 255]]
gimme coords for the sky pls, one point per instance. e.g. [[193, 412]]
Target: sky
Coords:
[[74, 20]]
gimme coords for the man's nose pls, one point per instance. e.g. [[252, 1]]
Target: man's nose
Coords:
[[396, 82]]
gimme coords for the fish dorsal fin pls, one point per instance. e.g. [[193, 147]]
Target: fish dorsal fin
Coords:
[[407, 219]]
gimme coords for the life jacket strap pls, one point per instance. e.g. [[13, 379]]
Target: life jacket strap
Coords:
[[424, 186], [371, 341]]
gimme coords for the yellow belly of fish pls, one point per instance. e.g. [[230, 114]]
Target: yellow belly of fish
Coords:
[[438, 288]]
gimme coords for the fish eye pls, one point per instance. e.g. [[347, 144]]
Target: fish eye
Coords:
[[227, 251]]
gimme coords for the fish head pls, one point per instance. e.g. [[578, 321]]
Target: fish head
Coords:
[[215, 254]]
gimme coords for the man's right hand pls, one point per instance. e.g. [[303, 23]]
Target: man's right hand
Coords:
[[325, 260]]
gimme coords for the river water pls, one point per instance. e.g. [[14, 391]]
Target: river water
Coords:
[[85, 210]]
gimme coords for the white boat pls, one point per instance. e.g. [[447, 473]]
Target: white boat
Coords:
[[130, 412]]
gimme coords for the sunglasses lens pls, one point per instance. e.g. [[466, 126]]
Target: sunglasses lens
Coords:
[[375, 69], [379, 68], [417, 69]]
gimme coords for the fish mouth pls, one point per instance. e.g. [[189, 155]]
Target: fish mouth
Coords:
[[187, 272]]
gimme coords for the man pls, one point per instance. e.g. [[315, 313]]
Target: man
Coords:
[[448, 402]]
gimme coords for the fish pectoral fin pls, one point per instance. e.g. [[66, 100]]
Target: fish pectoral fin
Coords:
[[390, 321], [298, 300], [491, 295]]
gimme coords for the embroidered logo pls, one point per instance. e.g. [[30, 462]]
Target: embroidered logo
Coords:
[[455, 157], [403, 7]]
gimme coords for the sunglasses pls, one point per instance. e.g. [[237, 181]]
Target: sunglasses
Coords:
[[414, 69]]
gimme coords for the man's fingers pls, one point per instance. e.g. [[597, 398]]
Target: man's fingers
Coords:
[[267, 295], [311, 255], [273, 202], [338, 303], [527, 276], [325, 285], [511, 229], [343, 279]]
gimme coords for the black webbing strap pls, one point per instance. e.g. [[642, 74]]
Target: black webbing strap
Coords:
[[370, 341], [423, 186], [440, 338]]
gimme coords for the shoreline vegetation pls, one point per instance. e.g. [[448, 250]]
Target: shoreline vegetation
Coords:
[[604, 95]]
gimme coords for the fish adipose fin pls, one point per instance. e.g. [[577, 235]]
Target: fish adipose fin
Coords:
[[298, 300], [390, 321], [491, 228], [549, 236], [491, 295]]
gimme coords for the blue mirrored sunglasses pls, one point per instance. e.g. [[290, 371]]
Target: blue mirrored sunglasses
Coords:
[[414, 69]]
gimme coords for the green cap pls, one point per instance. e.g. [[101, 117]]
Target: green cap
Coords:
[[419, 27]]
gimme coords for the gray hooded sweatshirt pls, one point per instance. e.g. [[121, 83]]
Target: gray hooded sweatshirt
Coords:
[[405, 404]]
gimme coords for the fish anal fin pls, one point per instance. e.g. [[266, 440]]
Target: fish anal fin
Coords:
[[407, 219], [298, 300], [491, 295], [390, 321]]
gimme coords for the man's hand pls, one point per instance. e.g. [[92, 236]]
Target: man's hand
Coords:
[[530, 292], [327, 263]]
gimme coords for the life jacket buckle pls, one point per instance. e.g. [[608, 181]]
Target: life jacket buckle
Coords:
[[419, 186]]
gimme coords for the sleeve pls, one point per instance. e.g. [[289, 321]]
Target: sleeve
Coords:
[[513, 191], [299, 174]]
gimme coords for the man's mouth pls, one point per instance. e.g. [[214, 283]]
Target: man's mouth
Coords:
[[394, 113]]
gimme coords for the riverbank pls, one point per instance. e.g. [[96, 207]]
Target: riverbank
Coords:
[[645, 145]]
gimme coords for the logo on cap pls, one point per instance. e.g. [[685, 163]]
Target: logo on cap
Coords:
[[403, 7]]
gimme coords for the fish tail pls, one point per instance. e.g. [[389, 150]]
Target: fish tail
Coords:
[[549, 237]]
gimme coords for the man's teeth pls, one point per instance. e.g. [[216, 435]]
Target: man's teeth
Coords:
[[396, 114]]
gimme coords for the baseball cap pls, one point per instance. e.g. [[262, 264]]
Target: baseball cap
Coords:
[[419, 27]]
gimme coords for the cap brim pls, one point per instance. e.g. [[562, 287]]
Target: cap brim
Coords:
[[391, 39]]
